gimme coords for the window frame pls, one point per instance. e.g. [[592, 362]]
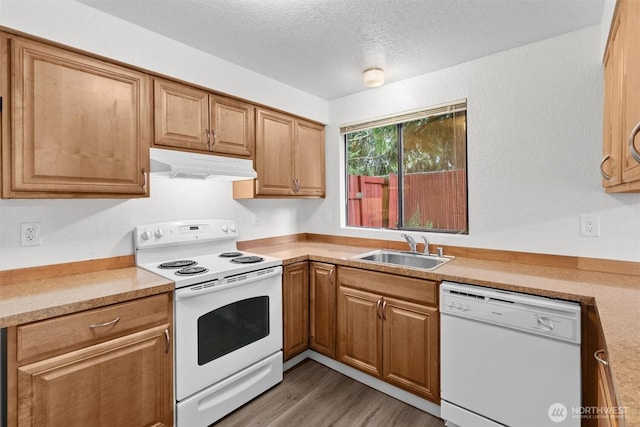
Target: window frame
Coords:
[[398, 120]]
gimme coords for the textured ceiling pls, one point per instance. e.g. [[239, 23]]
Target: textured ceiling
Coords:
[[323, 46]]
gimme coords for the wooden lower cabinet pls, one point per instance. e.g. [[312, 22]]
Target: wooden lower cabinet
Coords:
[[295, 308], [360, 330], [598, 392], [322, 308], [410, 350], [388, 335], [123, 381]]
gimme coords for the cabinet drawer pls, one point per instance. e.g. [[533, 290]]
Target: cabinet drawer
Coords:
[[59, 335], [407, 288]]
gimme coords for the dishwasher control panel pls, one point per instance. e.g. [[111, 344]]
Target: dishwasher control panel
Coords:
[[530, 313]]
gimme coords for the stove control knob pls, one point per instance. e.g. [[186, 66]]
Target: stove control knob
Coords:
[[146, 235], [233, 228], [159, 233], [225, 227]]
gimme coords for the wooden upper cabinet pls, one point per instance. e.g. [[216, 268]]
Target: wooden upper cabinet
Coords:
[[232, 126], [620, 167], [309, 158], [78, 126], [631, 102], [611, 166], [275, 162], [181, 115], [289, 158], [193, 119]]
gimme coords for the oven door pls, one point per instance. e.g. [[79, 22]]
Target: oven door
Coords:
[[225, 328]]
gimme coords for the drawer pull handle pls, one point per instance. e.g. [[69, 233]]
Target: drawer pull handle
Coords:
[[378, 308], [100, 325], [600, 359], [166, 335], [331, 280], [384, 310]]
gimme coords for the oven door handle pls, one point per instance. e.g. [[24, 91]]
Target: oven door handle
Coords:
[[198, 290]]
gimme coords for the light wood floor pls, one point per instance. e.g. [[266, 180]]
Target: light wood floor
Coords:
[[313, 395]]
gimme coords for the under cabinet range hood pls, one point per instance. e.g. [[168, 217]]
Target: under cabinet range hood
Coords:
[[182, 164]]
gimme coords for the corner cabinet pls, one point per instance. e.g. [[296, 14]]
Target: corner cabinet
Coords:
[[289, 158], [388, 327], [295, 308], [72, 125], [192, 119], [107, 366], [620, 165]]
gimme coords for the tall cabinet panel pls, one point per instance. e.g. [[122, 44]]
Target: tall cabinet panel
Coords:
[[79, 126]]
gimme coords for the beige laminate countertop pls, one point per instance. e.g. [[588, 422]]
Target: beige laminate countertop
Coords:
[[42, 299], [615, 296]]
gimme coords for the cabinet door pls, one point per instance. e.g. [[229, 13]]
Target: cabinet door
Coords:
[[274, 153], [181, 115], [360, 330], [79, 126], [295, 295], [630, 17], [232, 130], [322, 310], [612, 125], [309, 159], [124, 382], [410, 341]]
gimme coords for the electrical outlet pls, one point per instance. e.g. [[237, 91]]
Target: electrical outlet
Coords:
[[590, 225], [30, 234]]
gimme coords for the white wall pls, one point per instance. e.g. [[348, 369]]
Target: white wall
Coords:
[[534, 131], [75, 230]]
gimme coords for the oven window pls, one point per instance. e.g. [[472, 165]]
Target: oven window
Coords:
[[232, 327]]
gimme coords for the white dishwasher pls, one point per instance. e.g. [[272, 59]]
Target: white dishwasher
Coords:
[[508, 359]]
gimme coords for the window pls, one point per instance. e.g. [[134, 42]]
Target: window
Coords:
[[409, 172]]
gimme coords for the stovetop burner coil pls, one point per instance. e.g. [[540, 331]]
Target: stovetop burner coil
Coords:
[[191, 270], [230, 254], [181, 263], [250, 259]]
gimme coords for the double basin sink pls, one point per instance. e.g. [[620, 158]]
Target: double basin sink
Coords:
[[404, 259]]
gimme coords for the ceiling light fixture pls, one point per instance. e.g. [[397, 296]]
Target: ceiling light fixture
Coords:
[[373, 77]]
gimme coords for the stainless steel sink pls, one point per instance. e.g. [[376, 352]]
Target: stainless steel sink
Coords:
[[405, 259]]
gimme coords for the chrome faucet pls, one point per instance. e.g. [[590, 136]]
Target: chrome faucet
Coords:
[[411, 241], [426, 244]]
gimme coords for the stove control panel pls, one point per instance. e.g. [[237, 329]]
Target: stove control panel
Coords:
[[179, 232]]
